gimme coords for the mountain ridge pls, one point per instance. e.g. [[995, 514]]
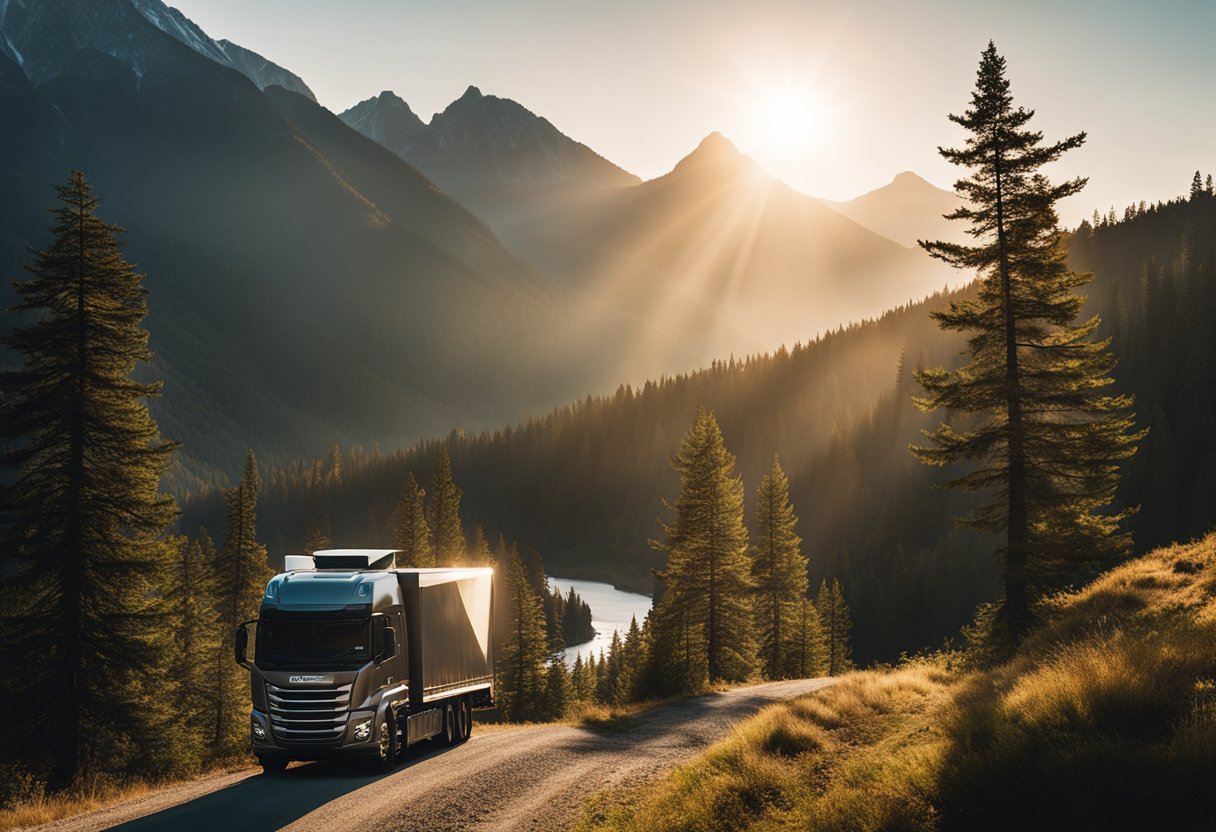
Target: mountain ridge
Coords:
[[906, 209]]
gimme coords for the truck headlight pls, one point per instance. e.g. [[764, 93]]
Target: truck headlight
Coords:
[[258, 731], [363, 730]]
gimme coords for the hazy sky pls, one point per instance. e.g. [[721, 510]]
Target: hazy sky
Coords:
[[835, 98]]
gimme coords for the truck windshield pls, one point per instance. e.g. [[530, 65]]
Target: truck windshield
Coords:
[[337, 645]]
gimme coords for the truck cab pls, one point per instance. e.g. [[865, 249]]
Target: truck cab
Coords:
[[354, 658]]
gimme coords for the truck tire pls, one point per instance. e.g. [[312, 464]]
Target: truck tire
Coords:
[[466, 717], [450, 731], [273, 766], [386, 759]]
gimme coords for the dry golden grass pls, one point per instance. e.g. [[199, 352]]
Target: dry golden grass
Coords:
[[838, 759], [1105, 719]]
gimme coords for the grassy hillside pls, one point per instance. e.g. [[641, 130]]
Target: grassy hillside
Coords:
[[1105, 719]]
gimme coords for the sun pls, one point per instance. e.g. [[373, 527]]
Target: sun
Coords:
[[785, 124], [786, 117]]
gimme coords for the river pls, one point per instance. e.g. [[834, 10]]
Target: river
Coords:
[[611, 610]]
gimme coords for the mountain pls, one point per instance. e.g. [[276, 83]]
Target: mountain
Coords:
[[253, 66], [263, 72], [306, 285], [714, 258], [494, 155], [720, 248], [386, 119], [906, 210]]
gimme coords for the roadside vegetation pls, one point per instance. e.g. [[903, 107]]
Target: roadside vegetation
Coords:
[[1105, 718]]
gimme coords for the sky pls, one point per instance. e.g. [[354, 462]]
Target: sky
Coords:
[[835, 98]]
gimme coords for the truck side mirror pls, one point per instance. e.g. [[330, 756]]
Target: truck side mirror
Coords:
[[241, 645], [386, 643]]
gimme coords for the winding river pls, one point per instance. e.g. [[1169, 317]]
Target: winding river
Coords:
[[611, 610]]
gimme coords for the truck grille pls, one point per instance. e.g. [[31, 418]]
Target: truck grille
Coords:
[[307, 716]]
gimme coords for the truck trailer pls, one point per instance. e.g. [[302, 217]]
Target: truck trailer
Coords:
[[354, 658]]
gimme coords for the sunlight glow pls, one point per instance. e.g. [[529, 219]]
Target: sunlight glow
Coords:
[[787, 119]]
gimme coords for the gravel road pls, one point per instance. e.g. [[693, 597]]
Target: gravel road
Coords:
[[530, 778]]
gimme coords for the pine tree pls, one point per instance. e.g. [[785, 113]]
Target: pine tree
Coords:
[[479, 549], [316, 526], [579, 691], [413, 535], [834, 617], [811, 649], [1196, 185], [84, 630], [243, 575], [635, 658], [199, 643], [558, 688], [779, 573], [521, 662], [703, 621], [333, 470], [443, 515], [1048, 441]]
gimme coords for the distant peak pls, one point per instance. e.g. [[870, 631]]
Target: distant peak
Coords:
[[716, 144], [388, 97], [908, 179], [713, 149], [471, 93]]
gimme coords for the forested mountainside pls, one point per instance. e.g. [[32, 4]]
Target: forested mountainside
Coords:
[[306, 286], [584, 484]]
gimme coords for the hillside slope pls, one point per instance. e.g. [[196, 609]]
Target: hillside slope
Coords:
[[1104, 719], [306, 286]]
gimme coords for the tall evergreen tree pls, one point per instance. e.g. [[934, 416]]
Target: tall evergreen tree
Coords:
[[1047, 439], [316, 524], [199, 642], [810, 655], [834, 617], [521, 662], [443, 515], [480, 553], [635, 659], [779, 573], [703, 621], [243, 574], [413, 535], [83, 523], [559, 689]]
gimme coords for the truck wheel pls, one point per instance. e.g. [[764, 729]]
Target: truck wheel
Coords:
[[272, 766], [466, 718], [387, 758], [450, 731]]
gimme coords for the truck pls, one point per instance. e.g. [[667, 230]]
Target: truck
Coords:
[[356, 659]]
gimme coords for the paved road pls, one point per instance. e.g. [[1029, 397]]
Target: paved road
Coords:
[[532, 778]]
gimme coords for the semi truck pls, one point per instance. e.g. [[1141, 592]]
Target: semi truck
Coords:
[[355, 658]]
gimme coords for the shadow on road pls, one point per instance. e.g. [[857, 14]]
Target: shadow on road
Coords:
[[261, 803]]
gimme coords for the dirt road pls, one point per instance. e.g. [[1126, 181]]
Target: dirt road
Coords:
[[532, 778]]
